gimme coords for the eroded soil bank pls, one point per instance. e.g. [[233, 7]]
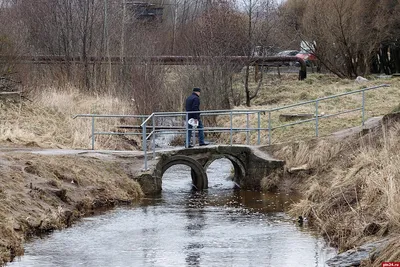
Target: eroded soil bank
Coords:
[[350, 187], [40, 193]]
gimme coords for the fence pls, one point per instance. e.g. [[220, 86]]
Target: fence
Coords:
[[149, 127]]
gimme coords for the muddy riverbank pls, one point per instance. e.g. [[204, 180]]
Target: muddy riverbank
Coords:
[[40, 193]]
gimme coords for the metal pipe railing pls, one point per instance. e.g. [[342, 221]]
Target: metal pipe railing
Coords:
[[316, 118], [157, 129], [108, 116], [94, 116], [116, 133]]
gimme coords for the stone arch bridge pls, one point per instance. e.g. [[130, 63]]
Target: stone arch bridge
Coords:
[[250, 164]]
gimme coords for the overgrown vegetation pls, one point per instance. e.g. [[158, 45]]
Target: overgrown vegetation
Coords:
[[351, 187], [48, 121]]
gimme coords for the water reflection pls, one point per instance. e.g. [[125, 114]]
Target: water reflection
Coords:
[[196, 221], [219, 227]]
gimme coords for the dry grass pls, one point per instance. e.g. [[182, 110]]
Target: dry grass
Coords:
[[288, 90], [353, 192], [48, 121], [390, 254]]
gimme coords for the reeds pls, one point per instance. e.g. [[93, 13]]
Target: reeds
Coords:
[[48, 121], [353, 191]]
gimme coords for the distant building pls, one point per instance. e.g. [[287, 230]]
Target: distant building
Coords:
[[144, 11]]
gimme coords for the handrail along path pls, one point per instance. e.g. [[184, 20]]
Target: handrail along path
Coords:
[[150, 123]]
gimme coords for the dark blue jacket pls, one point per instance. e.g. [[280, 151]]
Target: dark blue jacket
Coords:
[[193, 104]]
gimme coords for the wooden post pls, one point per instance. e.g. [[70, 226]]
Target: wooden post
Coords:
[[256, 67]]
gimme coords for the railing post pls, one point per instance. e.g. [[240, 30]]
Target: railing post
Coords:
[[187, 130], [247, 129], [316, 119], [93, 133], [194, 128], [258, 126], [363, 108], [269, 128], [154, 137], [144, 146], [231, 130]]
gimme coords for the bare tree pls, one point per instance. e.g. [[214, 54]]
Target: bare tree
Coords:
[[217, 33], [346, 33], [260, 16]]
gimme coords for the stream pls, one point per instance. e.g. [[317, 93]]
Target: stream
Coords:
[[218, 227]]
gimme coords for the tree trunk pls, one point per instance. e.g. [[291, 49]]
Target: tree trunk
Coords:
[[246, 85]]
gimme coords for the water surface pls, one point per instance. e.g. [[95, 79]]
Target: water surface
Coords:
[[220, 227]]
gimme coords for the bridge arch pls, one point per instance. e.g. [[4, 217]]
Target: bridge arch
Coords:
[[239, 169], [198, 173]]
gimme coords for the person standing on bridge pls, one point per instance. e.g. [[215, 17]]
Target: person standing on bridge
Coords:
[[193, 104]]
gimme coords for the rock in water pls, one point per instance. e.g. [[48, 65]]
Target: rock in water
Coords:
[[353, 257]]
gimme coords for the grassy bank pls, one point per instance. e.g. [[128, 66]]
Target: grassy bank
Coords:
[[288, 90], [350, 187], [46, 120], [42, 193]]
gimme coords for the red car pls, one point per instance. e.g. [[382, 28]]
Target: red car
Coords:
[[309, 58]]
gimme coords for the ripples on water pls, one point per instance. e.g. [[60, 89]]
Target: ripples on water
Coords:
[[220, 227]]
